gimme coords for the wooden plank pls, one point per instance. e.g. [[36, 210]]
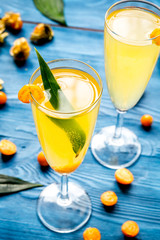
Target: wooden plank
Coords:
[[140, 202], [78, 13]]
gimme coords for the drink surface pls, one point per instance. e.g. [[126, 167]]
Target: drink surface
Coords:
[[58, 133], [79, 88], [130, 54]]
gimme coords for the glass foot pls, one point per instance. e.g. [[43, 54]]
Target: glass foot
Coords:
[[64, 217], [115, 153]]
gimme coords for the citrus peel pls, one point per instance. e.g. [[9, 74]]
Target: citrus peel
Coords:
[[3, 98], [124, 176], [7, 147], [24, 94], [91, 234], [109, 198], [130, 229], [146, 120], [155, 34]]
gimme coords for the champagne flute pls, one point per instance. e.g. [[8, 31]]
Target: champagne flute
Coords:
[[130, 57], [65, 135]]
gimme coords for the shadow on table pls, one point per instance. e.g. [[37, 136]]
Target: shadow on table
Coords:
[[124, 188], [109, 209], [6, 158], [130, 238], [2, 105], [44, 168]]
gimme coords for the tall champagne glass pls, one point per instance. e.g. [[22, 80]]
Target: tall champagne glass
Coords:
[[130, 57], [65, 135]]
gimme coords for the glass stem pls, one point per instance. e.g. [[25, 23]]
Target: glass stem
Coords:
[[119, 124], [63, 195]]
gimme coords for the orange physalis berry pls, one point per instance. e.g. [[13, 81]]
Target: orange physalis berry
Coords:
[[17, 25], [7, 147], [109, 198], [3, 98], [156, 36], [130, 229], [42, 160], [146, 120], [91, 234], [24, 94], [124, 176]]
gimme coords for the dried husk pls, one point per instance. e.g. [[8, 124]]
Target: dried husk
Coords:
[[3, 34], [20, 50], [41, 34]]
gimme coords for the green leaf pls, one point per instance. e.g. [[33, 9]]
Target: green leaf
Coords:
[[73, 130], [49, 81], [52, 9], [10, 184], [50, 84]]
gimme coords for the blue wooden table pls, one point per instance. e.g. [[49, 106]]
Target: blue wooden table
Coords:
[[82, 40]]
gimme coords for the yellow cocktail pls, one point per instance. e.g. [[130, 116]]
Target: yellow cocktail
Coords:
[[65, 121], [130, 57], [81, 90]]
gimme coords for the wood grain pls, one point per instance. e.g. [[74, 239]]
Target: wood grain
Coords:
[[140, 201], [78, 13]]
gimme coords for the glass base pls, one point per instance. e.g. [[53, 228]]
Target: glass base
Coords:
[[64, 216], [115, 153]]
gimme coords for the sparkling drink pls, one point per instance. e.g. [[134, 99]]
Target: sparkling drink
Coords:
[[65, 118], [131, 49], [129, 59], [81, 90]]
